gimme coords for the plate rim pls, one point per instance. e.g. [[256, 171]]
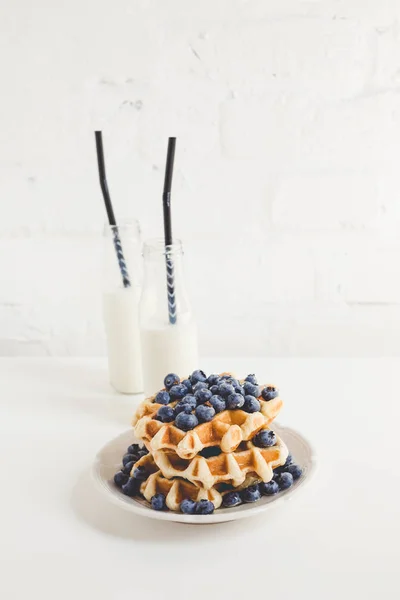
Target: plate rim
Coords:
[[219, 516]]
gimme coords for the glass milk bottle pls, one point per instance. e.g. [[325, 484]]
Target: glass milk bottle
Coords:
[[167, 326], [121, 297]]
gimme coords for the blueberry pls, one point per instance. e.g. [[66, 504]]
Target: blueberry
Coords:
[[140, 473], [182, 406], [239, 390], [252, 379], [202, 396], [214, 389], [217, 403], [131, 487], [264, 438], [251, 389], [270, 488], [284, 481], [204, 507], [120, 478], [269, 393], [227, 376], [129, 458], [225, 389], [187, 384], [251, 404], [158, 502], [251, 494], [142, 453], [288, 461], [189, 399], [295, 471], [200, 385], [204, 413], [213, 379], [210, 451], [165, 414], [171, 380], [234, 401], [163, 397], [128, 467], [197, 376], [186, 421], [178, 391], [231, 499], [188, 506], [133, 449]]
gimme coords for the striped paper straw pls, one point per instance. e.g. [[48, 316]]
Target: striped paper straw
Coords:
[[110, 212], [172, 316]]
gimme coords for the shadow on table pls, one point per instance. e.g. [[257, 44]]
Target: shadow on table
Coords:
[[91, 507]]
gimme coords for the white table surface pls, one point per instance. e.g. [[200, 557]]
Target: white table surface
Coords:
[[60, 539]]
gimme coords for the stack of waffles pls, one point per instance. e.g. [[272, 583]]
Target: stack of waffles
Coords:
[[210, 460]]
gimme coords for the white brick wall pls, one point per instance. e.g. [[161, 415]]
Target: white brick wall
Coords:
[[287, 114]]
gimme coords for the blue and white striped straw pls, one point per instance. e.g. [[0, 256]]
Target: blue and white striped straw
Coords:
[[172, 313], [110, 212]]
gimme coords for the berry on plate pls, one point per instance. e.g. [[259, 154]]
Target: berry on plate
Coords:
[[131, 487], [133, 449], [140, 473], [158, 502], [120, 478], [251, 494], [170, 380], [202, 395], [129, 458], [186, 421], [269, 393], [162, 397], [188, 507], [251, 404], [128, 467], [264, 438], [178, 391], [183, 406], [204, 507], [213, 379], [218, 403], [204, 413], [234, 401], [231, 499], [197, 376], [284, 481], [251, 389], [187, 384], [165, 414], [295, 471], [270, 488], [225, 389]]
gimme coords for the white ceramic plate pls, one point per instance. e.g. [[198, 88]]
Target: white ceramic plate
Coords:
[[108, 462]]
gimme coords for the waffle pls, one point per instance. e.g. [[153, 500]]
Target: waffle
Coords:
[[147, 462], [226, 430], [231, 468], [176, 490], [149, 408]]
